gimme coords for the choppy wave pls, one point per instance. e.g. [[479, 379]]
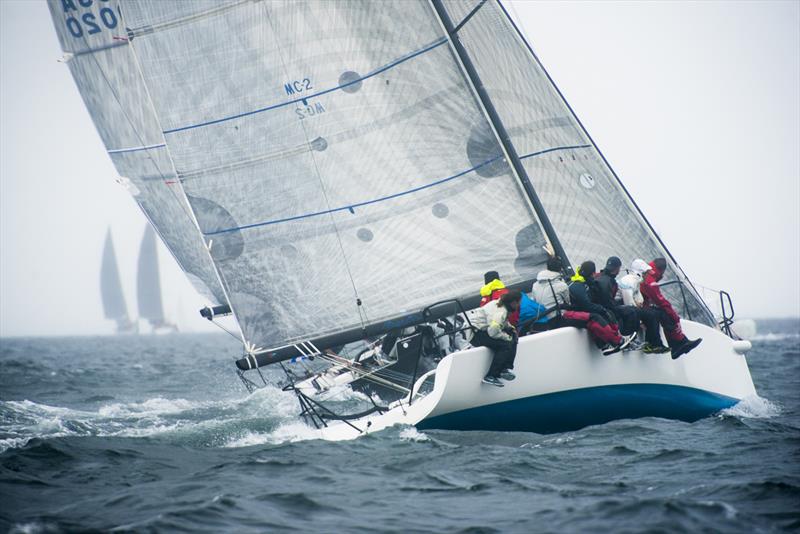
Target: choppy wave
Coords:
[[26, 420]]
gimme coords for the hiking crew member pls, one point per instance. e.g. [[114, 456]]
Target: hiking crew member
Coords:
[[550, 289], [606, 295], [602, 328], [493, 289], [495, 332], [669, 319], [631, 296]]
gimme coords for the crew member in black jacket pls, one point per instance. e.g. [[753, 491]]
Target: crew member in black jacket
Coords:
[[605, 294]]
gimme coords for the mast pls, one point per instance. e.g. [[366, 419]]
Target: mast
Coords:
[[497, 124]]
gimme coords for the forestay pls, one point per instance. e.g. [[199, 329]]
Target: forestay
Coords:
[[594, 217], [335, 158], [97, 52]]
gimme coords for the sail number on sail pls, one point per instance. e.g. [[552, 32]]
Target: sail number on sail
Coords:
[[88, 23], [295, 87]]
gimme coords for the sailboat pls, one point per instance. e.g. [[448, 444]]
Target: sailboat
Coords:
[[330, 172], [148, 285], [114, 306]]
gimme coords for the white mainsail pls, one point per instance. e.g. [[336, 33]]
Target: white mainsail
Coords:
[[337, 163]]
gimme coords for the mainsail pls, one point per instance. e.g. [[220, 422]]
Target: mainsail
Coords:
[[148, 282], [97, 52], [114, 305], [345, 161], [338, 164]]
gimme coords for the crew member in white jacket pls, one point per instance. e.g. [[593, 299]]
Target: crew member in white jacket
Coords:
[[497, 334], [550, 288], [632, 296]]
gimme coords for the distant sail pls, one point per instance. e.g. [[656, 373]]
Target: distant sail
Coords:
[[114, 304], [148, 283]]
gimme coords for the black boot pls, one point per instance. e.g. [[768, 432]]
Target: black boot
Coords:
[[685, 347]]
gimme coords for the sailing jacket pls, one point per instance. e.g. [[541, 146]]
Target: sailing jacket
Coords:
[[493, 291], [530, 309], [652, 293], [547, 297], [629, 289], [492, 319], [580, 291], [605, 290]]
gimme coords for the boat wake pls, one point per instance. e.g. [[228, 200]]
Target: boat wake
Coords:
[[268, 415], [753, 407]]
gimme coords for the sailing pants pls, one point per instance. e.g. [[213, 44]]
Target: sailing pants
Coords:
[[598, 326], [504, 351], [628, 319], [650, 320], [672, 328]]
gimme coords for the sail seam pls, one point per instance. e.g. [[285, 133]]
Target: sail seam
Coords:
[[351, 207], [375, 72]]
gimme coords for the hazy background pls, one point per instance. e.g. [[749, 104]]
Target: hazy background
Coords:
[[696, 105]]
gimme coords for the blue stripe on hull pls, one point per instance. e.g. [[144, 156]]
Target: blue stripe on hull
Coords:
[[578, 408]]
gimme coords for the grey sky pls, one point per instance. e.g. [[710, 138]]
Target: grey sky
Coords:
[[696, 105]]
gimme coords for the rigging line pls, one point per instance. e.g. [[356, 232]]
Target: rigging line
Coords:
[[469, 16], [359, 306], [136, 132], [233, 335], [364, 375], [370, 74], [351, 207]]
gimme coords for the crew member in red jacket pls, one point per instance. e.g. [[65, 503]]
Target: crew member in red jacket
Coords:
[[678, 342]]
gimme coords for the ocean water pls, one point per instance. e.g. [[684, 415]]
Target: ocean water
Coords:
[[157, 434]]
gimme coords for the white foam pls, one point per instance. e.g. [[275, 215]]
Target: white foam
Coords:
[[412, 434], [754, 407], [158, 416], [285, 433], [150, 407]]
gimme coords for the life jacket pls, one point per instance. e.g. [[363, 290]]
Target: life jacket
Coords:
[[493, 291]]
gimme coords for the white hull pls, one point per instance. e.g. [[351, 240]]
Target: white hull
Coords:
[[564, 383]]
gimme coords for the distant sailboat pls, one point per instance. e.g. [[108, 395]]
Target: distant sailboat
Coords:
[[148, 284], [114, 304]]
